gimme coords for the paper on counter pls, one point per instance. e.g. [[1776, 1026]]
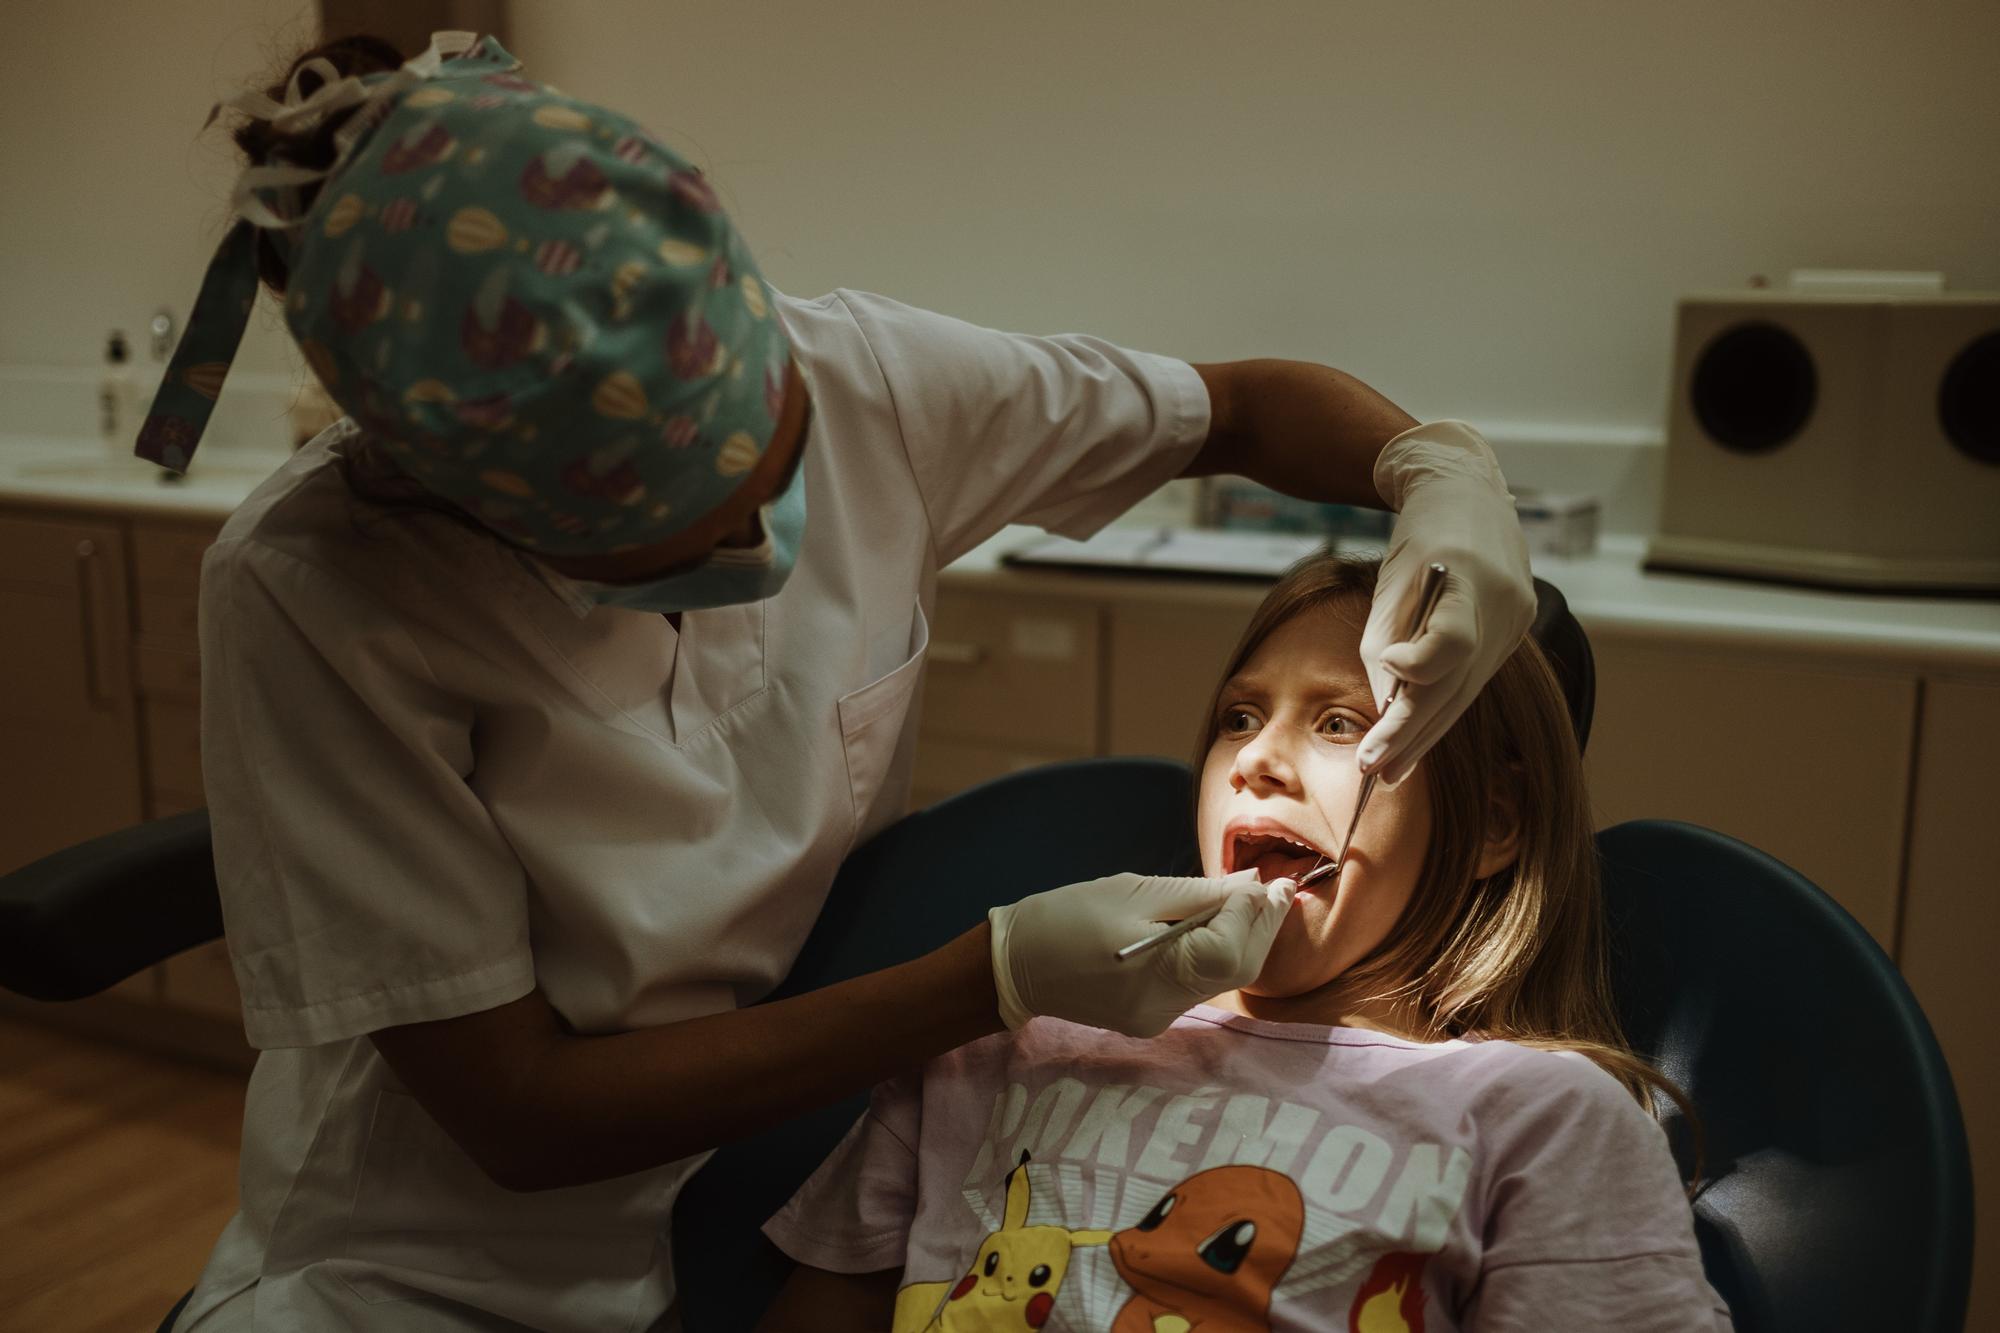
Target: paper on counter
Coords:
[[1181, 551]]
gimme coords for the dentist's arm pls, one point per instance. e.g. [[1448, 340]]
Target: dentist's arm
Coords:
[[538, 1105], [1307, 430], [1320, 434]]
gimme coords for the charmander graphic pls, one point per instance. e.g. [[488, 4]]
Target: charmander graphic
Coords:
[[1012, 1283], [1208, 1254]]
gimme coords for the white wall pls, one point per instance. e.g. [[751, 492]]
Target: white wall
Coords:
[[1486, 209], [114, 200]]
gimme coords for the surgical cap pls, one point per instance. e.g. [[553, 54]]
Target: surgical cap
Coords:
[[539, 311]]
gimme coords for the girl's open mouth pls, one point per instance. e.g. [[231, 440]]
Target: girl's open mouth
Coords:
[[1272, 853]]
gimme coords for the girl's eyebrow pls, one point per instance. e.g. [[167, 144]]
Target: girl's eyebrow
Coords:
[[1341, 688]]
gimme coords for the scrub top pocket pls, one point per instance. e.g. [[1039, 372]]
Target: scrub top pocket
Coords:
[[872, 717]]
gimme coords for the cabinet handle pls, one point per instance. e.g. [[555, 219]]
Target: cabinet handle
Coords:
[[93, 660], [950, 652]]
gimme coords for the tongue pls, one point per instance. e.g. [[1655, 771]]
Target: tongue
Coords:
[[1276, 864]]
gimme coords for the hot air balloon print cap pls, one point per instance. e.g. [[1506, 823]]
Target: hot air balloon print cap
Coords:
[[537, 310]]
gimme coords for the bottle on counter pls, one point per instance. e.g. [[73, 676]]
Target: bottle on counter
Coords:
[[116, 414]]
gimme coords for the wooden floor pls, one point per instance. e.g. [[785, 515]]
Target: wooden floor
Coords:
[[117, 1171]]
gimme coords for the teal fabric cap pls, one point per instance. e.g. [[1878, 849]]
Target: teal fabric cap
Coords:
[[541, 312]]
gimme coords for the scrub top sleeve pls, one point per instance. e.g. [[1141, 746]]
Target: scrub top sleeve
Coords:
[[1066, 432], [364, 885], [854, 1213]]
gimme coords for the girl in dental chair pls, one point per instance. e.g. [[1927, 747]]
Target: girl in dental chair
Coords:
[[1420, 1117]]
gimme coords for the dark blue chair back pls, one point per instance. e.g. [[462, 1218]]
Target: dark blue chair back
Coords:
[[1840, 1192]]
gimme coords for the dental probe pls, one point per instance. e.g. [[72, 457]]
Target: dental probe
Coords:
[[1428, 592], [1181, 927]]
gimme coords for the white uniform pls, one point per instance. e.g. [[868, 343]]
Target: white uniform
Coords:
[[439, 777]]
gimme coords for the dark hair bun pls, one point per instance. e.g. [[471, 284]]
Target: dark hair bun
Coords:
[[356, 55]]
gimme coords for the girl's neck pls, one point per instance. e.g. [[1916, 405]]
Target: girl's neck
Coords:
[[1331, 1005]]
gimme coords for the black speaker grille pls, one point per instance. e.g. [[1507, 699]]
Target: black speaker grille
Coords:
[[1969, 400], [1754, 387]]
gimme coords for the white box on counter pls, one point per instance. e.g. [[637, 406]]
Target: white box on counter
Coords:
[[1556, 523]]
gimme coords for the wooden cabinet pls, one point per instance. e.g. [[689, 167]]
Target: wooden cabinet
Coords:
[[66, 704], [1807, 761], [1165, 661], [1951, 931], [167, 578], [1010, 682], [100, 694]]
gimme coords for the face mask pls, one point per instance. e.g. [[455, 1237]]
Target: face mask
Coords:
[[728, 575]]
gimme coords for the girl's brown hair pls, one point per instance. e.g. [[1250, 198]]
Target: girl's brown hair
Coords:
[[1520, 955]]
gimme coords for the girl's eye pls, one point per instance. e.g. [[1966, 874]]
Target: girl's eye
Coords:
[[1340, 727], [1238, 722]]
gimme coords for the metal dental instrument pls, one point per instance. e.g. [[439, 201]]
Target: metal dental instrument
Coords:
[[1428, 591]]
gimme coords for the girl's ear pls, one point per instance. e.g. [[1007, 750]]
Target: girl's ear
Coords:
[[1502, 842]]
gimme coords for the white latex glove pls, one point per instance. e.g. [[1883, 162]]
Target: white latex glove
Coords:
[[1451, 505], [1055, 953]]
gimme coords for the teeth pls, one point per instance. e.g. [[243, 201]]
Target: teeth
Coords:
[[1243, 838]]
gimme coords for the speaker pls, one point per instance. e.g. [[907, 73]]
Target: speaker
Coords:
[[1835, 439]]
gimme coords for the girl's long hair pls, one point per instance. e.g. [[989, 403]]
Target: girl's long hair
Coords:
[[1520, 955]]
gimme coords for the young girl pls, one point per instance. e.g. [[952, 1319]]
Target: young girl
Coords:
[[1420, 1116]]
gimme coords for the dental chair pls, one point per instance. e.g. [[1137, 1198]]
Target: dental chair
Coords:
[[1838, 1192]]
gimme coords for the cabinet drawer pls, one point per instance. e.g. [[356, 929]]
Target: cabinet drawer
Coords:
[[168, 669], [168, 555], [1165, 663], [1950, 923], [1807, 762], [168, 613], [67, 729], [1013, 671], [173, 747], [200, 980]]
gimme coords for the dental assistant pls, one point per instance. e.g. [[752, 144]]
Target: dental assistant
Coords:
[[544, 694]]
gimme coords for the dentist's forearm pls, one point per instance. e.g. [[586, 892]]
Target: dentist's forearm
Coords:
[[539, 1107], [1303, 429]]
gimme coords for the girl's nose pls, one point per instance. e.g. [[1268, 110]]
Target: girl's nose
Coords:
[[1265, 763]]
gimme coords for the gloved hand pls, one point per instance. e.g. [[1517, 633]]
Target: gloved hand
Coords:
[[1451, 505], [1055, 953]]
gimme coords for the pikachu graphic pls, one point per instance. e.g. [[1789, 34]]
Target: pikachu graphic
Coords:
[[1012, 1283]]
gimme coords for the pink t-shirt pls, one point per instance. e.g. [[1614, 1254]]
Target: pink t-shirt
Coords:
[[1240, 1174]]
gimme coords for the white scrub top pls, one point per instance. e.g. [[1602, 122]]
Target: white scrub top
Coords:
[[439, 777]]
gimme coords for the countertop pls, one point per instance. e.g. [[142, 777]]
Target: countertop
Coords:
[[74, 475], [1608, 591]]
